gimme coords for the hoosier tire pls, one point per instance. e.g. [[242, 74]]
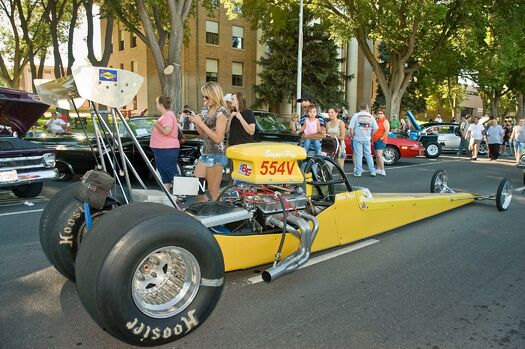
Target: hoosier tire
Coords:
[[58, 253], [504, 194], [132, 264]]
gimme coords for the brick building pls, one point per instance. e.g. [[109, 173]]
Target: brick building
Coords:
[[218, 49]]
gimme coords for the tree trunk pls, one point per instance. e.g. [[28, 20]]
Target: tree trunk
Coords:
[[106, 49], [495, 105], [520, 106], [72, 23]]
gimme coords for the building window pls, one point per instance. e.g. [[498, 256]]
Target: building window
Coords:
[[135, 103], [212, 70], [237, 37], [121, 40], [212, 33], [237, 9], [237, 74], [121, 66], [134, 66], [133, 40]]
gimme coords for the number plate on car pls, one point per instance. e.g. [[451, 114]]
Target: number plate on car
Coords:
[[8, 176]]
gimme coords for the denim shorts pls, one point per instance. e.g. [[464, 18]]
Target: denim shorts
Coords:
[[379, 145], [211, 160], [519, 145]]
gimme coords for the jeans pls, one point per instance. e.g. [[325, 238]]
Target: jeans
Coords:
[[166, 160], [316, 143], [463, 145], [363, 148]]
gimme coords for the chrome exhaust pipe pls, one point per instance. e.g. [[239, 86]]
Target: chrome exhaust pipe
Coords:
[[299, 257]]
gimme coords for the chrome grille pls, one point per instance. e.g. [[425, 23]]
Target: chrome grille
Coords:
[[21, 163]]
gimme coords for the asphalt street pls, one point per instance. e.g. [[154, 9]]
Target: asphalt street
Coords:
[[456, 280]]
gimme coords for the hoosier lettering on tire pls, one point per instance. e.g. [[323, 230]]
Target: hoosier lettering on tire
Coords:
[[149, 274], [60, 224]]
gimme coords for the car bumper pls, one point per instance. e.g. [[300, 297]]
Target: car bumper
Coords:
[[411, 151], [28, 177]]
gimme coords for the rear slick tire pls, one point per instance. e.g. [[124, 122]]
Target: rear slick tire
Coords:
[[129, 280], [56, 246]]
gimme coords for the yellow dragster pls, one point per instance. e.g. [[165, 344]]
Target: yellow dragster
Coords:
[[150, 274]]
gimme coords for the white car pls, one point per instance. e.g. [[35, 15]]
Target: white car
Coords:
[[449, 136]]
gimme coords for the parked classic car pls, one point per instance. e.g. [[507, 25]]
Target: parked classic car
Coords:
[[396, 148], [449, 136], [74, 154], [24, 166]]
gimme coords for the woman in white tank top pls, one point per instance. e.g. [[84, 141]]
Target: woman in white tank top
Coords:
[[336, 128]]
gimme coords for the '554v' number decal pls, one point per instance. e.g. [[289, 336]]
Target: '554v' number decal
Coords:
[[276, 167]]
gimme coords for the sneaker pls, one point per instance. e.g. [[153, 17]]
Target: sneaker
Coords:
[[382, 173], [357, 174], [372, 174]]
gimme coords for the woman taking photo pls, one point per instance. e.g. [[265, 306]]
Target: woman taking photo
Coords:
[[242, 125], [336, 128], [165, 142], [211, 125]]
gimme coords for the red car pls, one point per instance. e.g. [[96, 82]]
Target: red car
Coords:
[[395, 148]]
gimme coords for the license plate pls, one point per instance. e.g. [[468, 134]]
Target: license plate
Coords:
[[8, 176]]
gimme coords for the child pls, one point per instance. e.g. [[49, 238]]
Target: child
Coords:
[[311, 126]]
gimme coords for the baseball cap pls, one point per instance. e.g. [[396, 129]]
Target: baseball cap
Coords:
[[305, 96], [228, 97]]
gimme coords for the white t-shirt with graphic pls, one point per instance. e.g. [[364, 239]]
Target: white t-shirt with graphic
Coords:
[[476, 131], [364, 125]]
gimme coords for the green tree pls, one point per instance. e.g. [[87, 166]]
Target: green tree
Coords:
[[412, 31], [24, 37], [413, 100], [493, 49], [321, 76]]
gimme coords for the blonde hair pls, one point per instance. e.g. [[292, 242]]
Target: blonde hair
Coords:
[[295, 116], [214, 93]]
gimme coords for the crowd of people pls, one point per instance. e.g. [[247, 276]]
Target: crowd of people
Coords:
[[506, 139], [225, 121]]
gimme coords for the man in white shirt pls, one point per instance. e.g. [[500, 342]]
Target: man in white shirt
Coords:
[[56, 125], [475, 132], [362, 126]]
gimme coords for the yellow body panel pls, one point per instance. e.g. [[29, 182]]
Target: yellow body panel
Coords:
[[266, 162], [354, 216]]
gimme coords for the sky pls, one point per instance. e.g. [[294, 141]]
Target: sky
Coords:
[[79, 42]]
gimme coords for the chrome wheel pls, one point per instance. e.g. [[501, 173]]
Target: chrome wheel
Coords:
[[439, 182], [504, 194], [166, 282], [390, 155]]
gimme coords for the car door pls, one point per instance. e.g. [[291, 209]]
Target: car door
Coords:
[[448, 138]]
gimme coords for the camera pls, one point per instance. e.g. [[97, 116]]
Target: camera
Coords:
[[186, 111]]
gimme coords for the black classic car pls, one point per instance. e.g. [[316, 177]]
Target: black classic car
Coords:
[[24, 166], [74, 154]]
